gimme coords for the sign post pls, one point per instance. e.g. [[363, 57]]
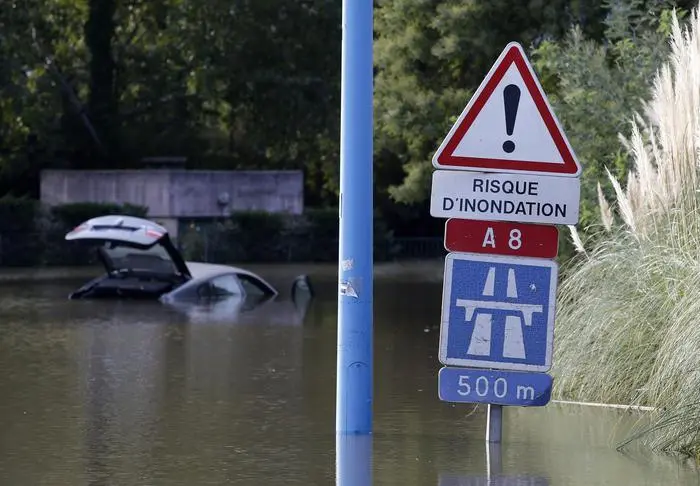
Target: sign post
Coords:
[[506, 175], [355, 286]]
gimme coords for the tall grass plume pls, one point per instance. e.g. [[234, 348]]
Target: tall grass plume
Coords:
[[628, 321]]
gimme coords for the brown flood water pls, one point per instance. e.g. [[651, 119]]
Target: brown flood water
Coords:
[[116, 393]]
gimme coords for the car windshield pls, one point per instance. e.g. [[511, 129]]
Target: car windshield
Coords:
[[154, 259]]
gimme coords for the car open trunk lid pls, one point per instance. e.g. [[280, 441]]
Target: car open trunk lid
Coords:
[[128, 239]]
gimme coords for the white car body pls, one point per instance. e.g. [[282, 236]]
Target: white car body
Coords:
[[141, 262]]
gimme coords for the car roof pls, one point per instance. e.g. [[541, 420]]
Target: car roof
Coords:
[[206, 270], [202, 271]]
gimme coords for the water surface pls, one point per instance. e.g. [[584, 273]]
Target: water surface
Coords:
[[115, 393]]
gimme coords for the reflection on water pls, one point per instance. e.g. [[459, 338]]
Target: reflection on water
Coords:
[[114, 393]]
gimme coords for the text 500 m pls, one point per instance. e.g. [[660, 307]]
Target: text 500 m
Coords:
[[481, 387]]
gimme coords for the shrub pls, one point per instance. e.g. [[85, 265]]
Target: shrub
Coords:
[[596, 87], [324, 234], [20, 240], [255, 236], [258, 236], [627, 325]]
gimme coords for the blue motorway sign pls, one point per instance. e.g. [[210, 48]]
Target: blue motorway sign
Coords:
[[498, 312], [473, 385]]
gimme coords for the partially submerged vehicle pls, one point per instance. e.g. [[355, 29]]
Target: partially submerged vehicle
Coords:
[[141, 262]]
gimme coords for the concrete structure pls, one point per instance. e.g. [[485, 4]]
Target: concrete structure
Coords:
[[174, 194]]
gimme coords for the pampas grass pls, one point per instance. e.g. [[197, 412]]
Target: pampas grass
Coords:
[[628, 324]]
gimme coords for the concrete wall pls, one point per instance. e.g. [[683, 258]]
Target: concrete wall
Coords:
[[177, 193]]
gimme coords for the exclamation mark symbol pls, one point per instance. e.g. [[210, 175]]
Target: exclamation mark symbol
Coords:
[[511, 100]]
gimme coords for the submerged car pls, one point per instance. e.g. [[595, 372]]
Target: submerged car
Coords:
[[141, 262]]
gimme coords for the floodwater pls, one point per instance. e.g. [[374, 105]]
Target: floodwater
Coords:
[[110, 393]]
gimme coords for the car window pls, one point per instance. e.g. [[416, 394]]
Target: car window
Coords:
[[188, 292], [253, 286], [225, 285], [154, 259]]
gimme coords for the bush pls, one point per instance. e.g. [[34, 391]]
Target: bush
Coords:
[[596, 87], [627, 321], [323, 228], [20, 240], [244, 236], [30, 235], [255, 236], [18, 214], [324, 235], [258, 236]]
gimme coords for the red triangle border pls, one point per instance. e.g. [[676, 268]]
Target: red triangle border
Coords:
[[446, 158]]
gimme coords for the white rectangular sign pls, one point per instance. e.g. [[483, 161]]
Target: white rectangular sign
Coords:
[[505, 197]]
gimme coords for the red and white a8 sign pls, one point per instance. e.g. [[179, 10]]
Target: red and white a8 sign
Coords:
[[501, 238]]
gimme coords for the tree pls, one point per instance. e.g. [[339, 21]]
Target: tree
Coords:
[[432, 54], [596, 87], [102, 97], [41, 73], [242, 84]]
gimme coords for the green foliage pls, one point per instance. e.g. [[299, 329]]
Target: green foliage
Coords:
[[628, 308], [101, 84], [254, 236], [431, 55], [256, 84], [19, 242], [259, 234], [18, 214], [243, 237], [40, 55], [627, 325], [596, 88]]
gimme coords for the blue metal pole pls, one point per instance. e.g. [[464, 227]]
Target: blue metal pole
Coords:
[[354, 360], [353, 463]]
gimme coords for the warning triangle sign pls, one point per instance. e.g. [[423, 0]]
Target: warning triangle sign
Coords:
[[508, 126]]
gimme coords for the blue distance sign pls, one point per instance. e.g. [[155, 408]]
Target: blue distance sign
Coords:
[[472, 385], [455, 480], [498, 312]]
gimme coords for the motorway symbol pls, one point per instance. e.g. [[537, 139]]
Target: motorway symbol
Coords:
[[508, 126], [498, 312], [501, 238], [505, 197], [473, 385]]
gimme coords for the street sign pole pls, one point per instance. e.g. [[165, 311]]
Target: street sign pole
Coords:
[[354, 358], [494, 463], [506, 175], [494, 423]]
